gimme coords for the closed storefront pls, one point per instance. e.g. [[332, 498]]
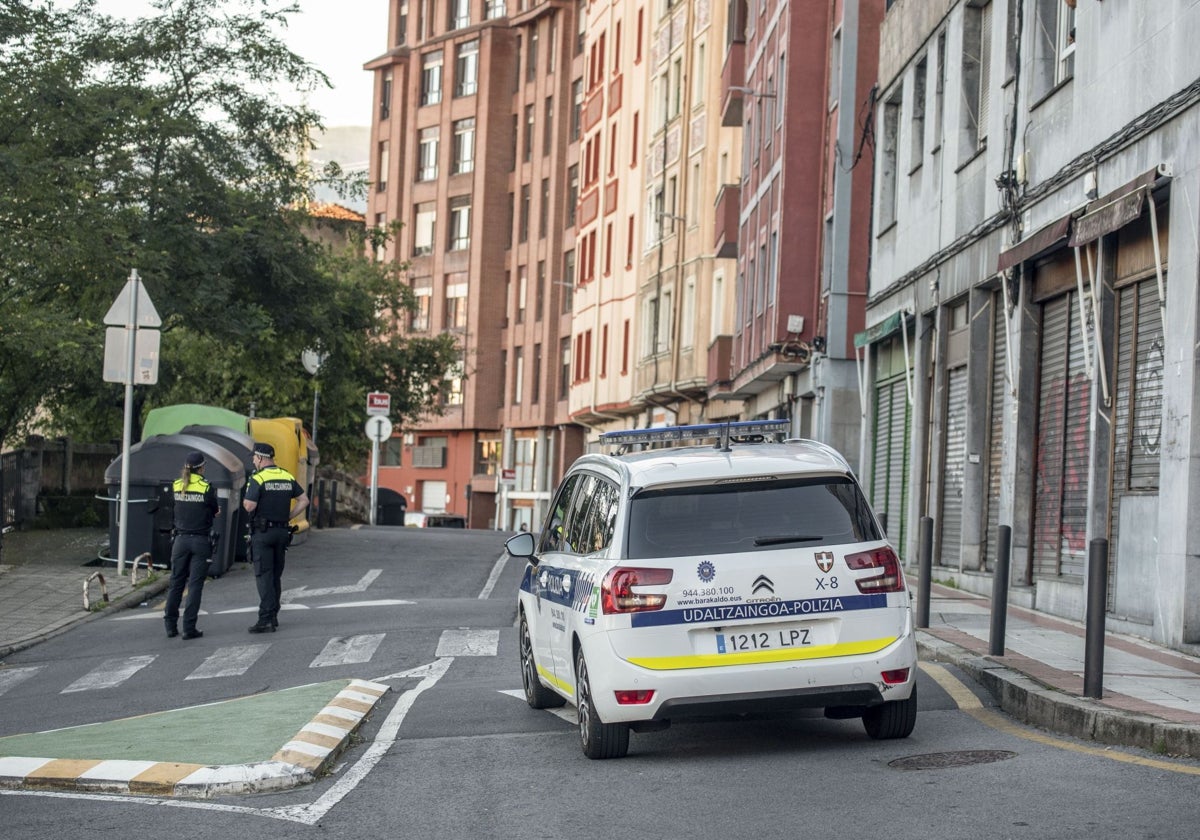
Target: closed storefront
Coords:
[[1062, 460], [995, 445], [890, 439], [955, 455]]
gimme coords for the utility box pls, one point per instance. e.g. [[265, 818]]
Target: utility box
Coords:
[[154, 464]]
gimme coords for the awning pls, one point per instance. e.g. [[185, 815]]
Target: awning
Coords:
[[883, 329], [1108, 218], [1034, 244]]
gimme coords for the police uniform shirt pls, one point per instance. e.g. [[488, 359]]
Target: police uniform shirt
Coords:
[[195, 504], [273, 489]]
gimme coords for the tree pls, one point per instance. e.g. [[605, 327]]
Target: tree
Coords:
[[159, 145]]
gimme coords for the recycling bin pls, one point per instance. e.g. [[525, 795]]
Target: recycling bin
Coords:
[[154, 464], [242, 445]]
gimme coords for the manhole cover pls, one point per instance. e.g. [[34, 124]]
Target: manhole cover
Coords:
[[942, 760]]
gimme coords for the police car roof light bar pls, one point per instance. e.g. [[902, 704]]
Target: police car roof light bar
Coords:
[[723, 432]]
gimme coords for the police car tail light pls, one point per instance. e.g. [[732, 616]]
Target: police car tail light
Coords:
[[617, 593], [896, 677], [890, 578], [635, 697]]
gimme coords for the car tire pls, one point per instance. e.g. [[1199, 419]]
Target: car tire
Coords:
[[536, 694], [894, 719], [598, 739]]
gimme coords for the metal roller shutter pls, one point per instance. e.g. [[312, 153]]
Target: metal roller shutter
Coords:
[[1076, 454], [889, 479], [1047, 508], [953, 471], [995, 431]]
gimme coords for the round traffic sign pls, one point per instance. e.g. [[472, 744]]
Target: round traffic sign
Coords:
[[378, 428], [313, 360]]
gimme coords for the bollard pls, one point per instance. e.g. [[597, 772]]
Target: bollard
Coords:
[[1000, 591], [87, 603], [925, 570], [333, 505], [1097, 606]]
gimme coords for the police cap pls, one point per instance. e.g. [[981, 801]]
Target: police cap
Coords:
[[195, 460], [264, 449]]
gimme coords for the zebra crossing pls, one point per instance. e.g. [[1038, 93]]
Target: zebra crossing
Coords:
[[236, 660]]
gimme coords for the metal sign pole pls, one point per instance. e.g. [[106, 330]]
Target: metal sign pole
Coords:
[[374, 476], [127, 431]]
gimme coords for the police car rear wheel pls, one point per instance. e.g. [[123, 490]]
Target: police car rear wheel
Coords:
[[598, 739], [894, 719], [536, 694]]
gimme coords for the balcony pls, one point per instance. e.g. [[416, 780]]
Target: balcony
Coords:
[[720, 375], [729, 208], [429, 456], [733, 75]]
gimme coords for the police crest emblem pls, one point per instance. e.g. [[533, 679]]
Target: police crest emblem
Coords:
[[824, 560]]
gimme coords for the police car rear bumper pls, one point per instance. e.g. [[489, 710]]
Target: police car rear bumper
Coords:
[[692, 692]]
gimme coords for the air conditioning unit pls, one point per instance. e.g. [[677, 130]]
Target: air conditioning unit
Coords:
[[408, 438], [795, 324]]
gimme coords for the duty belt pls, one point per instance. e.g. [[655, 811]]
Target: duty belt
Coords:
[[271, 524], [192, 533]]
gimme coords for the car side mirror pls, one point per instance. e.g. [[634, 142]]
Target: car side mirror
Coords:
[[522, 545]]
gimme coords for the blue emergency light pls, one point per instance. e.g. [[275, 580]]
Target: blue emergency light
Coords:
[[705, 431]]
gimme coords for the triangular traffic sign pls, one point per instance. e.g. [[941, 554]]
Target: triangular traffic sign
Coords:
[[118, 313]]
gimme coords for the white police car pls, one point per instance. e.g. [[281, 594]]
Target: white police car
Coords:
[[749, 576]]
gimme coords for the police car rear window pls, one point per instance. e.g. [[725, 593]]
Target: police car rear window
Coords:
[[749, 516]]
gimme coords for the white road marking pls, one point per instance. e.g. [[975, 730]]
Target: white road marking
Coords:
[[143, 615], [468, 642], [109, 673], [385, 602], [497, 568], [255, 609], [348, 651], [304, 592], [566, 713], [229, 662], [10, 677]]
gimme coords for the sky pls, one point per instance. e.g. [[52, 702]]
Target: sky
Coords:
[[338, 36]]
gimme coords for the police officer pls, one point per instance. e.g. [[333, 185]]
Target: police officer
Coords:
[[195, 509], [269, 494]]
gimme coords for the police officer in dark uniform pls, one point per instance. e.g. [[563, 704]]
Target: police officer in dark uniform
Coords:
[[195, 509], [269, 494]]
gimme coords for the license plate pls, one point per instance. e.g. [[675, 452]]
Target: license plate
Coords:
[[775, 638]]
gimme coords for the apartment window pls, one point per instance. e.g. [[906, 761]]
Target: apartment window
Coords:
[[385, 95], [548, 127], [687, 324], [694, 187], [518, 374], [939, 92], [383, 163], [835, 68], [516, 68], [581, 20], [568, 280], [1053, 45], [576, 108], [516, 129], [977, 24], [424, 19], [402, 24], [423, 294], [676, 83], [460, 14], [503, 374], [523, 232], [552, 47], [466, 68], [699, 79], [887, 162], [604, 351], [641, 36], [452, 393], [544, 209], [629, 238], [608, 243], [654, 212], [572, 193], [564, 371], [464, 146], [531, 55], [380, 244], [539, 302], [427, 154], [495, 9], [781, 90], [431, 78], [426, 221], [456, 301], [535, 394], [773, 269], [460, 223], [649, 327], [522, 292], [612, 149], [917, 116], [527, 148], [760, 291], [487, 456], [625, 348], [633, 147]]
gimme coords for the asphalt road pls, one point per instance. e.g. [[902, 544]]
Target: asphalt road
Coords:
[[454, 752]]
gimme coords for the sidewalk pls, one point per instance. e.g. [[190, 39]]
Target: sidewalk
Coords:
[[1151, 694]]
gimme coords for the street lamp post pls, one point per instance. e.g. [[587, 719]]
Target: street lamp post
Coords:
[[313, 360]]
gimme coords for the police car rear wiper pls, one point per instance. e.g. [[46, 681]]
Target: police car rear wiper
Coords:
[[787, 538]]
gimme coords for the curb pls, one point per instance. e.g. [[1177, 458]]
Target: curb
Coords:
[[1033, 703], [129, 599], [300, 761]]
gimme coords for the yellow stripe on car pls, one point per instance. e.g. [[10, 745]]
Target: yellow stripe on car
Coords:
[[719, 660]]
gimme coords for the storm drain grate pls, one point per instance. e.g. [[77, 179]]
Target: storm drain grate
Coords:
[[942, 760]]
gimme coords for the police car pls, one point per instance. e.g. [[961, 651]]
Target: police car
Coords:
[[744, 576]]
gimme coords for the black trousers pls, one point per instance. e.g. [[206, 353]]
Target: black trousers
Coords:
[[190, 554], [268, 549]]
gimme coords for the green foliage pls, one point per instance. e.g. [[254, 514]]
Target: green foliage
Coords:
[[159, 145]]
